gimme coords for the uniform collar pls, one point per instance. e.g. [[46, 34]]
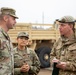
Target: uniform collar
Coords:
[[4, 33], [67, 41], [26, 50]]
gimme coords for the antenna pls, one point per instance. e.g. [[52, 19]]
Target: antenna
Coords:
[[42, 17]]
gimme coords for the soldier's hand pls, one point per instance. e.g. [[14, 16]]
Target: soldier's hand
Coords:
[[61, 65], [55, 60], [25, 68]]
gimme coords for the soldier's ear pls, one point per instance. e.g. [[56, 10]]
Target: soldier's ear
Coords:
[[5, 17], [71, 26]]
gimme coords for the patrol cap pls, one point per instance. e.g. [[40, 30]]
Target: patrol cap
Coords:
[[66, 19], [25, 34], [8, 11]]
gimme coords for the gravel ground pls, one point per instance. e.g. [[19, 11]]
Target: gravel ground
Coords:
[[45, 72]]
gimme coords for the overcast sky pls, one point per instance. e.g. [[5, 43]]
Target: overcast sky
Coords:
[[41, 11]]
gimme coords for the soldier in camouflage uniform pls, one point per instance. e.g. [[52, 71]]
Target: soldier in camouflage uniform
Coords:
[[7, 21], [64, 50], [26, 61]]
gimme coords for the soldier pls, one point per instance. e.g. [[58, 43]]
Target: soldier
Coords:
[[7, 21], [26, 61], [64, 50]]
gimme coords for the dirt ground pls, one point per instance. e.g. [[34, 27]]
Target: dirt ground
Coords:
[[45, 72]]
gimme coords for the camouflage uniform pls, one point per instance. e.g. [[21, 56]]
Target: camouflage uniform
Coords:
[[26, 56], [6, 48], [6, 54], [65, 50]]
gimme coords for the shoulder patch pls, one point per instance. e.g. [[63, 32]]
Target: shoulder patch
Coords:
[[2, 44]]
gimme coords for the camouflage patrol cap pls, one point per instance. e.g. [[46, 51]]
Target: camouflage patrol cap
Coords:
[[8, 11], [67, 19], [25, 34]]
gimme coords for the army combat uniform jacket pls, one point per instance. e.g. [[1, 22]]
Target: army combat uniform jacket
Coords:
[[27, 56], [6, 54], [65, 50]]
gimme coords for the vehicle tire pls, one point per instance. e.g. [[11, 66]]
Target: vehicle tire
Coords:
[[44, 56], [38, 51]]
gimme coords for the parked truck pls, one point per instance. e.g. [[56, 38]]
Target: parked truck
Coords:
[[41, 39]]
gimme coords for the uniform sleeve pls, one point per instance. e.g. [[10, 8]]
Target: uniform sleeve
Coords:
[[6, 57], [71, 57], [52, 54], [17, 71], [71, 66], [35, 67], [55, 52], [16, 64]]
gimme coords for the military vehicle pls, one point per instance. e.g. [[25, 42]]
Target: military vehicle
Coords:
[[41, 39]]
